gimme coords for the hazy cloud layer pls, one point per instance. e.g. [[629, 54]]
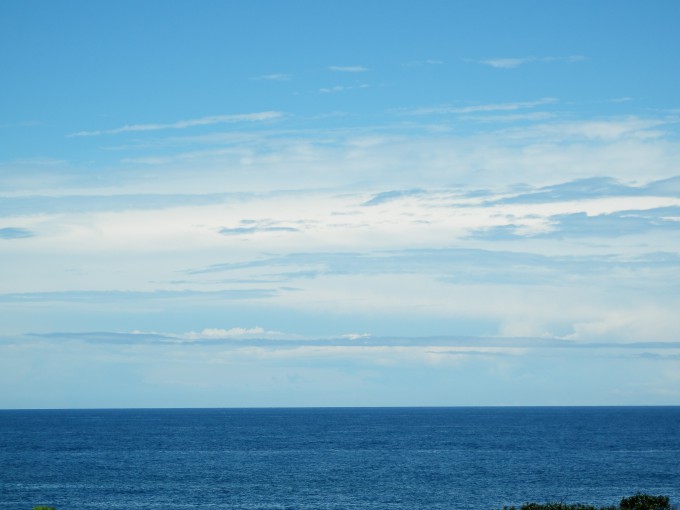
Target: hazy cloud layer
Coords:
[[427, 216]]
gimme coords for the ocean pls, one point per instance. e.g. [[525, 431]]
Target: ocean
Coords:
[[336, 458]]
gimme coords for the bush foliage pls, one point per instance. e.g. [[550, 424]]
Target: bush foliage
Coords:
[[645, 502], [638, 502]]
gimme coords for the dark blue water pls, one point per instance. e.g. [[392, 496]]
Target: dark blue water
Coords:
[[406, 458]]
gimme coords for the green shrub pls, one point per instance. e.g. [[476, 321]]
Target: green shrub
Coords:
[[638, 502], [557, 506], [645, 502], [41, 507]]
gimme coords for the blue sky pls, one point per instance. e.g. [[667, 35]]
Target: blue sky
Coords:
[[339, 203]]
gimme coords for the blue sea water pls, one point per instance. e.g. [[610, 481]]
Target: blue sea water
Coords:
[[354, 458]]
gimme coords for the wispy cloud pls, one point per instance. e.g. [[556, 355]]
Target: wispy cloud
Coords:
[[34, 162], [25, 123], [236, 333], [14, 233], [592, 188], [348, 69], [602, 226], [510, 118], [387, 196], [342, 88], [605, 129], [482, 108], [208, 373], [92, 296], [511, 63], [247, 227], [275, 77], [506, 63], [362, 342], [183, 124], [256, 335], [427, 62], [87, 204]]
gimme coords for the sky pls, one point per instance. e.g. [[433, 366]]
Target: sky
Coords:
[[341, 203]]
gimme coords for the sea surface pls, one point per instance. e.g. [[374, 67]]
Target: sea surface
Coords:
[[339, 458]]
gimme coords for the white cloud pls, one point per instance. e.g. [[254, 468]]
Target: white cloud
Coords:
[[644, 322], [493, 107], [236, 333], [540, 153], [23, 124], [507, 118], [607, 129], [342, 88], [143, 249], [33, 162], [219, 375], [336, 88], [511, 63], [427, 62], [275, 77], [356, 336], [348, 69], [506, 63], [182, 124]]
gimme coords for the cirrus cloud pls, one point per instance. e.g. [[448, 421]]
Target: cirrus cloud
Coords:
[[183, 124]]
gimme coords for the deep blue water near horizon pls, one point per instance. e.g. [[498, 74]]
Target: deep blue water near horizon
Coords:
[[336, 458]]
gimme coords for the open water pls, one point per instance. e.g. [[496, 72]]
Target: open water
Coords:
[[379, 458]]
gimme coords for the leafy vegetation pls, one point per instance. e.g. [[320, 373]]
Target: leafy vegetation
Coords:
[[637, 502], [645, 502]]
